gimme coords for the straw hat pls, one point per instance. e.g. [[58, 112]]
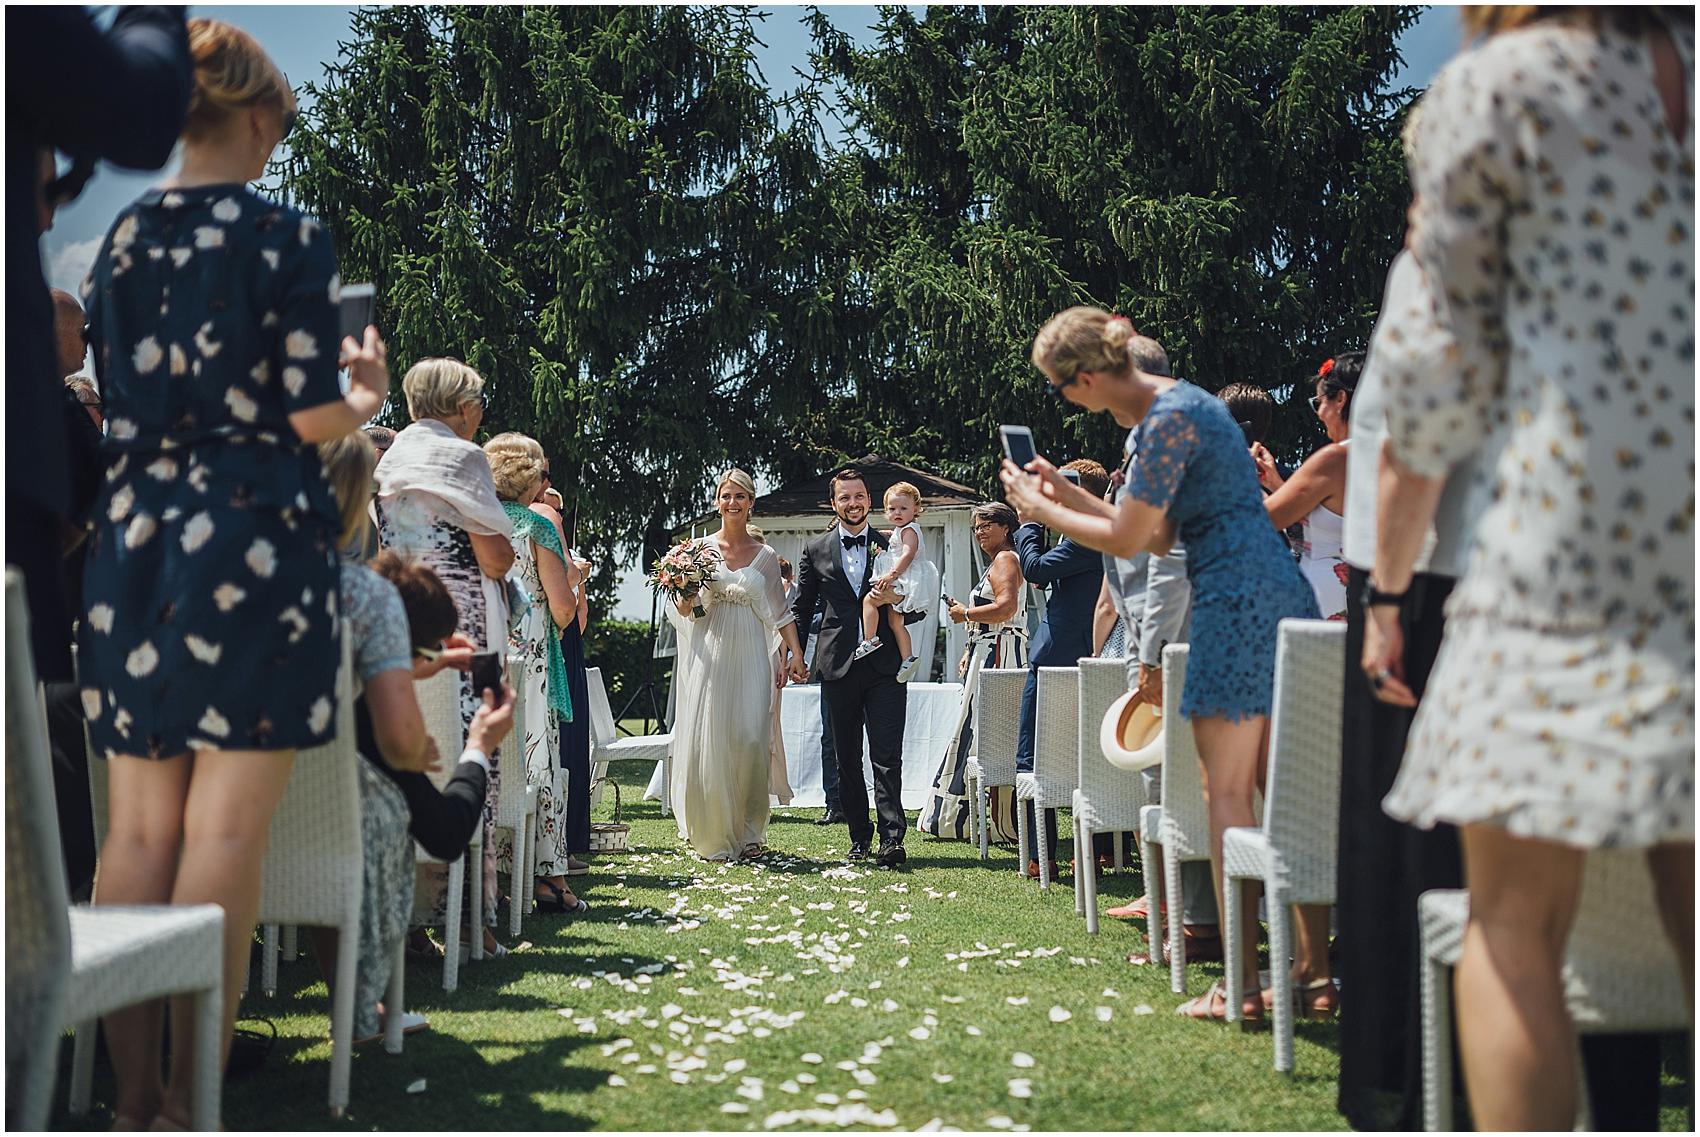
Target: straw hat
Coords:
[[1131, 736]]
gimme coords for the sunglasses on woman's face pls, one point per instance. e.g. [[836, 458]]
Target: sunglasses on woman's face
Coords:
[[1055, 390]]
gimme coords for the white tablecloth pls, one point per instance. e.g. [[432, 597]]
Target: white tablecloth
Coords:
[[926, 735]]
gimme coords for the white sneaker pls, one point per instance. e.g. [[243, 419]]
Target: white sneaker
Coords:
[[865, 649], [907, 671]]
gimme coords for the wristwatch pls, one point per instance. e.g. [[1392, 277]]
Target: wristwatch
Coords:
[[1373, 597]]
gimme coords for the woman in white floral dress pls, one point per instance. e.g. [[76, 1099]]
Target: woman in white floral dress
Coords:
[[1554, 173]]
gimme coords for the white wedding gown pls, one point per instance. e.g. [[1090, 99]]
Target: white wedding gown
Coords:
[[723, 732]]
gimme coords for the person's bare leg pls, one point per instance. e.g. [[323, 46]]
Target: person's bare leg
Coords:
[[1228, 755], [870, 616], [1311, 923], [1514, 1035], [1672, 867], [232, 797], [137, 864]]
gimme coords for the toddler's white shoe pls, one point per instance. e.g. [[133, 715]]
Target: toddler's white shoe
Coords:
[[865, 649], [907, 671]]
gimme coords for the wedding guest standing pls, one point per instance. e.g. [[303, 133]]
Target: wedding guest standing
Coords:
[[437, 503], [1315, 496], [1195, 480], [516, 463], [1553, 166], [213, 313], [573, 818]]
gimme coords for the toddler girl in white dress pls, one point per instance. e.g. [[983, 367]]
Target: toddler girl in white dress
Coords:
[[913, 579]]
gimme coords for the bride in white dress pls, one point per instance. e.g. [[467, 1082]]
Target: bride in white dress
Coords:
[[732, 662]]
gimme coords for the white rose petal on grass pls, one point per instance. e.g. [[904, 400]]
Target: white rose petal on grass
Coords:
[[100, 618], [1020, 1088], [1111, 993], [812, 1058], [615, 1080], [1021, 1059], [1016, 1000], [416, 1087], [807, 1079], [734, 1107], [998, 1122], [1104, 1014], [974, 1030], [790, 1087], [1143, 1009], [1061, 1014], [920, 1034], [944, 1079]]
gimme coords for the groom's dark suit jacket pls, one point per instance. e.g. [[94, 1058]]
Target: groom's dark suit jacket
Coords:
[[820, 577]]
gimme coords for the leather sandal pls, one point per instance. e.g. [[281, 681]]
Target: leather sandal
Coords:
[[557, 900], [1308, 999], [1213, 1004]]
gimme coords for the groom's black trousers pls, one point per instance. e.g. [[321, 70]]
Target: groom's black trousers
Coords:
[[882, 703]]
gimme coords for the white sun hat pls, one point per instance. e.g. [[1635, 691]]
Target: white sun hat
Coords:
[[1131, 736]]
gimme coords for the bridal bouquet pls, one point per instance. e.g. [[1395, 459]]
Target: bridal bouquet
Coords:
[[683, 571]]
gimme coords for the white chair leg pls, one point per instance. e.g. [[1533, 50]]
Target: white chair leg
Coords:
[[985, 820], [1437, 1046], [1089, 886], [395, 1003], [290, 951], [1281, 975], [475, 898], [247, 969], [1040, 845], [667, 786], [451, 923], [521, 875], [1150, 871], [268, 962], [1177, 939], [342, 1014], [209, 1065], [82, 1067], [1079, 895], [1022, 838], [1233, 899]]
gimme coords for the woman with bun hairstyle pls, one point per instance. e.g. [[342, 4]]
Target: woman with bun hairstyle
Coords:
[[1315, 496], [212, 313], [1192, 481]]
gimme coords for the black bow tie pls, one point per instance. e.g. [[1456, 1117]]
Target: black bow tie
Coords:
[[858, 539]]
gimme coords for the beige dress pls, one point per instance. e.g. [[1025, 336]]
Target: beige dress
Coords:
[[1554, 220]]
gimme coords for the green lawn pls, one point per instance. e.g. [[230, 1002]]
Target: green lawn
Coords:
[[697, 996]]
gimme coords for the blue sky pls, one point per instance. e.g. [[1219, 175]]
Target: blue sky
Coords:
[[302, 38]]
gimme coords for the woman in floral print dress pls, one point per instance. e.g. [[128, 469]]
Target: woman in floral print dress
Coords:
[[212, 313]]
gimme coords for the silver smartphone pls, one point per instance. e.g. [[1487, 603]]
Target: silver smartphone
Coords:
[[357, 309], [1018, 444]]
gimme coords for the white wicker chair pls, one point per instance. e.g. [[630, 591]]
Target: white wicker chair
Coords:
[[1056, 739], [516, 809], [314, 869], [607, 746], [997, 722], [1620, 974], [1294, 852], [439, 703], [66, 967], [1179, 831], [1109, 800]]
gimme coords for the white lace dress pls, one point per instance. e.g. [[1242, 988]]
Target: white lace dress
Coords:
[[918, 587], [723, 733]]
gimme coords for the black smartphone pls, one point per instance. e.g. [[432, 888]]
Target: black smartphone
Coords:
[[357, 309], [1018, 444], [487, 674]]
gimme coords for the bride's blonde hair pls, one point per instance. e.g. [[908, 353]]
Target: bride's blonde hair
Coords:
[[738, 478]]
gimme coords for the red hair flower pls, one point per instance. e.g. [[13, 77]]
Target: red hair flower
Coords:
[[1118, 318], [1327, 366]]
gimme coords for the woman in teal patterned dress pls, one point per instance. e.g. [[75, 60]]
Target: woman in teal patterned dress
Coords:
[[516, 463]]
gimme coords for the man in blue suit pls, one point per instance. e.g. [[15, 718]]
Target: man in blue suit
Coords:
[[1075, 575]]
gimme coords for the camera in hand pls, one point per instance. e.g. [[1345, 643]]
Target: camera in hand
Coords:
[[487, 674]]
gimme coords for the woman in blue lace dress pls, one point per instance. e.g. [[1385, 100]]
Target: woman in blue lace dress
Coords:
[[1194, 482]]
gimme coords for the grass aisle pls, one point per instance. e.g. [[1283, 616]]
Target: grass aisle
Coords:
[[696, 996]]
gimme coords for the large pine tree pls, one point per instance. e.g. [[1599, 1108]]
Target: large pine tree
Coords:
[[663, 267]]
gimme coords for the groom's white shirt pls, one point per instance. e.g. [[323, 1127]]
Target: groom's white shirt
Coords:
[[854, 558]]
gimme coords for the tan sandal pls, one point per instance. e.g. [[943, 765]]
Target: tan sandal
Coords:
[[1213, 1005], [1308, 999]]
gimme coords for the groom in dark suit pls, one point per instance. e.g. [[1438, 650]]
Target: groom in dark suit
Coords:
[[836, 569]]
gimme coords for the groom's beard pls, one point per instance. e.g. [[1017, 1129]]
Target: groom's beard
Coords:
[[853, 519]]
